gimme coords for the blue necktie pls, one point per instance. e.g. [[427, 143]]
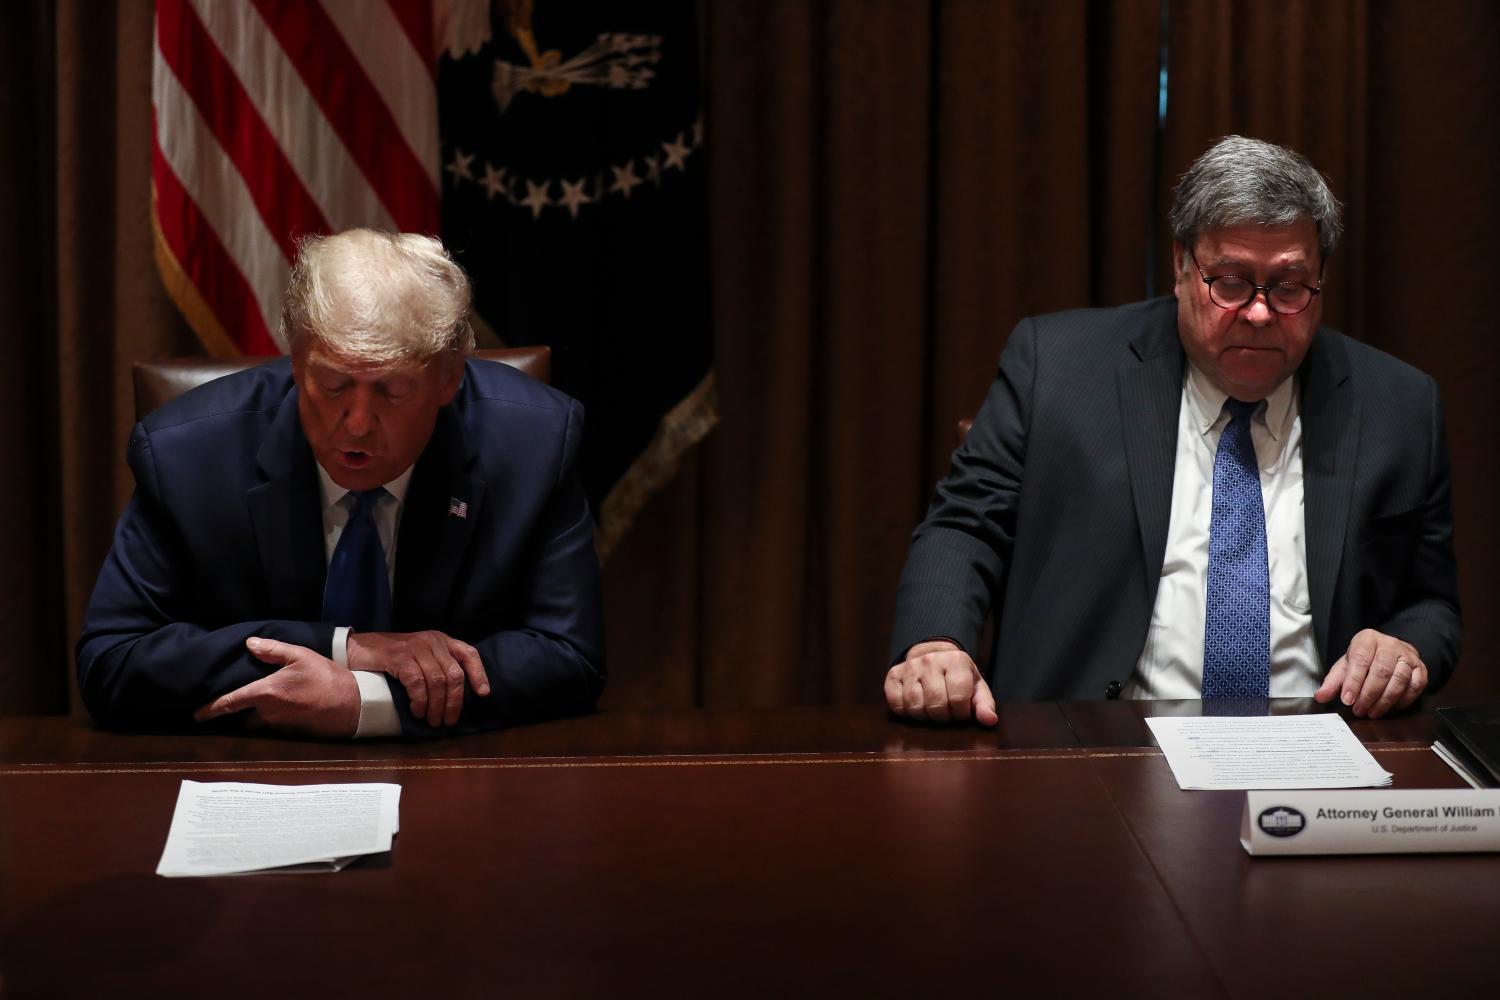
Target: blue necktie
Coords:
[[358, 591], [1237, 626]]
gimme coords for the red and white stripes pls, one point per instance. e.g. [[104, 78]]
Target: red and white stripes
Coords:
[[274, 119]]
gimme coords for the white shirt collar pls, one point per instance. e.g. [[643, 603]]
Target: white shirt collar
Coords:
[[1207, 403], [333, 492]]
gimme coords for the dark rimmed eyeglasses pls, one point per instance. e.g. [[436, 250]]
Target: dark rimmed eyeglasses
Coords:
[[1230, 291]]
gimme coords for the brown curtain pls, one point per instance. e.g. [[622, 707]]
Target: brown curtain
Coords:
[[885, 206], [31, 678], [895, 184], [82, 300]]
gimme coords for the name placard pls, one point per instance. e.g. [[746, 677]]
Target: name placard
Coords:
[[1422, 820]]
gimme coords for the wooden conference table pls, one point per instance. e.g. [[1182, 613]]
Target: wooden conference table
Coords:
[[794, 852]]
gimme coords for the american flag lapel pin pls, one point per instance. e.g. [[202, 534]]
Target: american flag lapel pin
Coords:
[[458, 508]]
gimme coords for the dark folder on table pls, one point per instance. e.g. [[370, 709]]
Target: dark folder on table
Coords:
[[1471, 734]]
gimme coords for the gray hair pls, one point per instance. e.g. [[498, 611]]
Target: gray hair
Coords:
[[1240, 181], [375, 297]]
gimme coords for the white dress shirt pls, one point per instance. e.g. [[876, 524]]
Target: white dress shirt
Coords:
[[377, 710], [1171, 664]]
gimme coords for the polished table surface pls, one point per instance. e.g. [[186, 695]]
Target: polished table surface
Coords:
[[1029, 726], [790, 851]]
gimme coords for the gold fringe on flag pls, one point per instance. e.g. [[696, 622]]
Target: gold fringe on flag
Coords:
[[184, 293], [685, 425]]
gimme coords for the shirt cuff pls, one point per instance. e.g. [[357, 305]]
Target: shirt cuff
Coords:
[[377, 709], [340, 652]]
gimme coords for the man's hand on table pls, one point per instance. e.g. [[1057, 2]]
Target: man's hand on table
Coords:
[[309, 694], [938, 682], [431, 667], [1378, 673]]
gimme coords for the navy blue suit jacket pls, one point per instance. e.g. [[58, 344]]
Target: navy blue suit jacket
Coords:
[[222, 540], [1055, 509]]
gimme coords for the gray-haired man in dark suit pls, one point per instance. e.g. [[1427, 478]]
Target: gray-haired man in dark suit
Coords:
[[1206, 494]]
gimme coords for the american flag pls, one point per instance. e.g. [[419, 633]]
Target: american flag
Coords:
[[458, 508], [273, 119]]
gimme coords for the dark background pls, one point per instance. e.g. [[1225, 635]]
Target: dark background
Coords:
[[892, 186]]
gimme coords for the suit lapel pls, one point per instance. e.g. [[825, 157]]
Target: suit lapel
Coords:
[[442, 507], [286, 512], [1150, 383], [1330, 435]]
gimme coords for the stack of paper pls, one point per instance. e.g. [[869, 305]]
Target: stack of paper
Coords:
[[228, 828], [1297, 751]]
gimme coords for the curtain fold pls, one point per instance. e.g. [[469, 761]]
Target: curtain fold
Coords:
[[31, 605]]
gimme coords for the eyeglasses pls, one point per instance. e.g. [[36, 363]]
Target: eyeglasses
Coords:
[[1230, 291]]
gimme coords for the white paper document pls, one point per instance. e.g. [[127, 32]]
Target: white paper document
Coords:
[[1293, 751], [230, 827]]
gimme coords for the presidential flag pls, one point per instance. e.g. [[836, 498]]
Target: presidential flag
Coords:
[[574, 194]]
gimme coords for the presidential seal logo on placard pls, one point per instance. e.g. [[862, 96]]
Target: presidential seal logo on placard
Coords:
[[1282, 821]]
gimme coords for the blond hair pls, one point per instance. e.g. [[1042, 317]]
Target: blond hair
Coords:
[[377, 298]]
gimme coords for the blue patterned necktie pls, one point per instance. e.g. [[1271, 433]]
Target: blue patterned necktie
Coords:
[[1237, 625], [358, 591]]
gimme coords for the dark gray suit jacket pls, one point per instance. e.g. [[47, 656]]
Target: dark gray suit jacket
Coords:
[[1055, 508]]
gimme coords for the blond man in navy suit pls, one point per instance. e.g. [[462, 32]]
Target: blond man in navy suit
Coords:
[[217, 606]]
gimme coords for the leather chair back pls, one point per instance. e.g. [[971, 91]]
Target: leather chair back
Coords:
[[165, 379]]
